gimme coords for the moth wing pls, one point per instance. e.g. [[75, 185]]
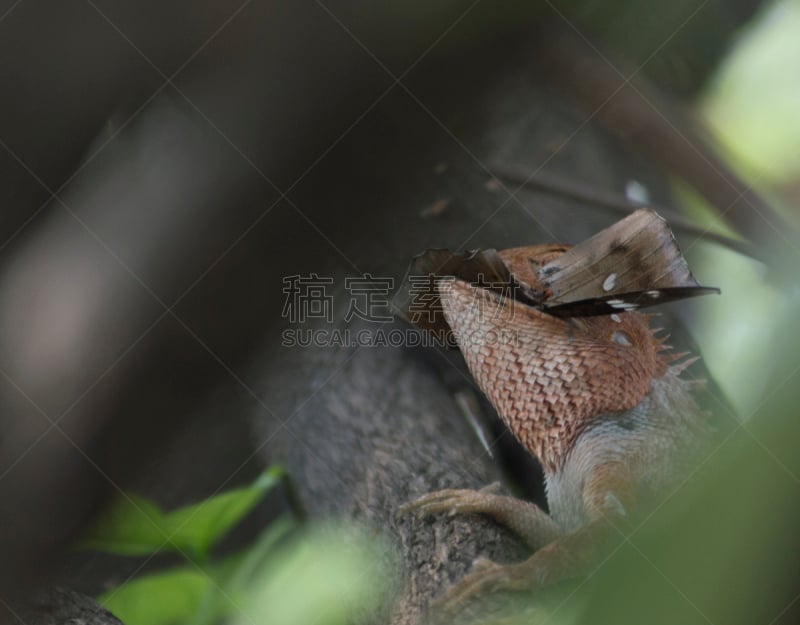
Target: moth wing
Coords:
[[624, 302], [636, 262]]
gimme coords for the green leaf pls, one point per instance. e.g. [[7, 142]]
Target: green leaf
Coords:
[[159, 599], [190, 594], [135, 526], [132, 526], [196, 528]]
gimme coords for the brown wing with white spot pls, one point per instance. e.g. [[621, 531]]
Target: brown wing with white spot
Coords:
[[632, 264]]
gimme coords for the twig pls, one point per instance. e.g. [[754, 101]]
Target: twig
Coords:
[[582, 192]]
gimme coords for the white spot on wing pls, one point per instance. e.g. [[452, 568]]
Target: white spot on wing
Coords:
[[615, 317], [621, 305], [609, 282]]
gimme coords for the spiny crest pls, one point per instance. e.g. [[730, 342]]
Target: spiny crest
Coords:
[[676, 362]]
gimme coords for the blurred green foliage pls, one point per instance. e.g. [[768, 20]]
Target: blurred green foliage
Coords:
[[323, 575], [751, 109], [753, 102], [330, 576], [135, 526]]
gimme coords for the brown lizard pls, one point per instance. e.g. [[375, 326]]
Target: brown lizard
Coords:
[[579, 378]]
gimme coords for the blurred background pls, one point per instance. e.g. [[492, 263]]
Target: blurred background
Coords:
[[164, 166]]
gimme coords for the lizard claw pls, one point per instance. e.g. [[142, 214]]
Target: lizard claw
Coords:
[[482, 564], [452, 501]]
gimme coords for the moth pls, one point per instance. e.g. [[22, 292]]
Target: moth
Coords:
[[633, 264]]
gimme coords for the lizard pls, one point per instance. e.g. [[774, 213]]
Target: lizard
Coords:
[[553, 336]]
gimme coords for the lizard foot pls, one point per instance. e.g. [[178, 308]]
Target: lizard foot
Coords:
[[452, 501], [523, 518], [485, 578], [568, 557]]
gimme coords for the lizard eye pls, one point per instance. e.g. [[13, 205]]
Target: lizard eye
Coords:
[[620, 337]]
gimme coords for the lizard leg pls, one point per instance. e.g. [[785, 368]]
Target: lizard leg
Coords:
[[567, 557], [523, 518], [607, 496]]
